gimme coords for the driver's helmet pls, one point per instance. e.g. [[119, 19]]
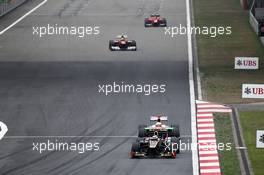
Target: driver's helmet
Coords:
[[158, 124], [155, 136], [155, 15], [122, 37]]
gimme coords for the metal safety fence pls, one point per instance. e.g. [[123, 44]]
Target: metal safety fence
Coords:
[[252, 20], [256, 18], [8, 5]]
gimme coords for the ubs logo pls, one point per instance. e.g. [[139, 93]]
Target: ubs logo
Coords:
[[261, 139], [246, 63], [256, 91]]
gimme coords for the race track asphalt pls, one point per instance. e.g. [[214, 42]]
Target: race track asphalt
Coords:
[[49, 87]]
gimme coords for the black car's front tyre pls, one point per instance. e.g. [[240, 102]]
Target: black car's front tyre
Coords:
[[175, 145], [134, 43], [175, 131], [111, 43], [134, 149]]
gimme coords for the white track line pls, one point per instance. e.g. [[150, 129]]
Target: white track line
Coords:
[[195, 162], [23, 17], [206, 135], [199, 86], [205, 120], [209, 164], [212, 106], [241, 147], [206, 130], [35, 137], [210, 158], [210, 171], [205, 115], [208, 152], [87, 136], [215, 110]]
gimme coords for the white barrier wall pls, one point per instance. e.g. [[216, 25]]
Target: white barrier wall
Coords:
[[253, 21]]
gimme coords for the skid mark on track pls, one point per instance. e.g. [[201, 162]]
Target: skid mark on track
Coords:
[[147, 7], [44, 157], [141, 8], [119, 6], [73, 7], [61, 168], [99, 157]]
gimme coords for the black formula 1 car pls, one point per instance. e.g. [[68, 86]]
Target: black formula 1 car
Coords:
[[121, 43], [155, 20], [158, 140]]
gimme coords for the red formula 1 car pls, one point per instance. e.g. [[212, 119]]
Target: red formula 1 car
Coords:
[[121, 43], [155, 20]]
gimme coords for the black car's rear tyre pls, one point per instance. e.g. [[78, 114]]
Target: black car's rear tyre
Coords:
[[141, 131], [175, 131], [175, 144], [142, 126]]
